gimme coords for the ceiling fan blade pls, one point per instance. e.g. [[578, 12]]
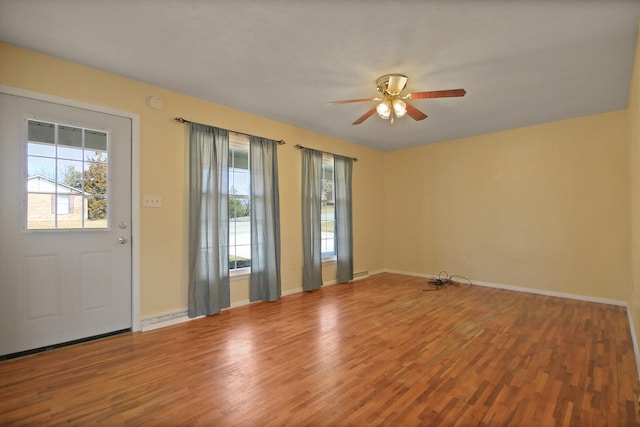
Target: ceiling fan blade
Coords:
[[415, 113], [349, 101], [365, 116], [437, 94]]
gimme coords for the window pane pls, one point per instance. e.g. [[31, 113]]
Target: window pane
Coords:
[[63, 204], [40, 149], [95, 156], [70, 173], [69, 137], [239, 182], [65, 215], [239, 233], [41, 211], [75, 153], [41, 132], [239, 155], [95, 141], [96, 212], [95, 178], [42, 166], [96, 183], [239, 208]]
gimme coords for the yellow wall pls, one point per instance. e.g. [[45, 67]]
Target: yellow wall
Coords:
[[634, 180], [543, 207], [163, 171]]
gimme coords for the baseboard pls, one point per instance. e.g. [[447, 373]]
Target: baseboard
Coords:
[[409, 273], [166, 319], [175, 317], [522, 289], [238, 304], [636, 349], [372, 273], [550, 293]]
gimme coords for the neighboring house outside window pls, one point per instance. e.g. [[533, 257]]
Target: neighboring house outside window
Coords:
[[65, 204], [42, 202]]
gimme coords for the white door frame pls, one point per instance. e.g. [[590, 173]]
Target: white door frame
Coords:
[[135, 181]]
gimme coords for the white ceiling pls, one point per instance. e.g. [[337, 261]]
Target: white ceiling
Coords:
[[521, 62]]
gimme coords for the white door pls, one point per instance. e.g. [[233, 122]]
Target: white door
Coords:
[[65, 215]]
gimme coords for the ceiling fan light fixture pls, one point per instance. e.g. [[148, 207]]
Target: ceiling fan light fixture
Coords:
[[391, 101], [399, 107], [384, 109]]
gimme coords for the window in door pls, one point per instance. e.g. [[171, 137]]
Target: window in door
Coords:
[[66, 180]]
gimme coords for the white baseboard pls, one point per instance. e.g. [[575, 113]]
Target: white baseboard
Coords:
[[522, 289], [166, 319], [373, 273], [550, 293], [175, 317], [408, 273], [636, 348]]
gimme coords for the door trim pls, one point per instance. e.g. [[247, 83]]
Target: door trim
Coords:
[[135, 181]]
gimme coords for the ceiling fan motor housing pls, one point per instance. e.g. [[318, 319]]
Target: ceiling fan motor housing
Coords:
[[392, 84]]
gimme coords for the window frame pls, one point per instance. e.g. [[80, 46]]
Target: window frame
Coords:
[[58, 156], [238, 143], [327, 159]]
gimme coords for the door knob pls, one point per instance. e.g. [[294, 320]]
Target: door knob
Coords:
[[122, 240]]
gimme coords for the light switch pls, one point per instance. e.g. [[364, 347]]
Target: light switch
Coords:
[[151, 201]]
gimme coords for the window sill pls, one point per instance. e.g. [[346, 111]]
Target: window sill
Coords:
[[329, 260], [242, 273]]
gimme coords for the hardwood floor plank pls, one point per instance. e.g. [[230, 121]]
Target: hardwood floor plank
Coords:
[[386, 350]]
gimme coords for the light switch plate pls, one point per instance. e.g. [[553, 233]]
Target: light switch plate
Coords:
[[151, 201]]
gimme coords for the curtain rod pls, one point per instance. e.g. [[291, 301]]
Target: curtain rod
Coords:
[[355, 159], [181, 120]]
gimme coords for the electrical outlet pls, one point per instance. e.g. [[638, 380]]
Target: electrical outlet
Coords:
[[151, 201], [463, 259]]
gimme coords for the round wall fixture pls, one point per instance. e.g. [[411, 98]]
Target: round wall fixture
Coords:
[[155, 102]]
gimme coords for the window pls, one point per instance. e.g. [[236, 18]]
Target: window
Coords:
[[63, 203], [66, 178], [328, 208], [326, 216], [239, 203]]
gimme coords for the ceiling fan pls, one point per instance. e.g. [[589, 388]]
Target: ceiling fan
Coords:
[[392, 104]]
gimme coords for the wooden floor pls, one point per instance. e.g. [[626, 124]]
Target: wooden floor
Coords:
[[380, 351]]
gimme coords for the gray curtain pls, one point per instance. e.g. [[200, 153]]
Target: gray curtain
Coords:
[[208, 220], [311, 210], [264, 282], [343, 167]]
